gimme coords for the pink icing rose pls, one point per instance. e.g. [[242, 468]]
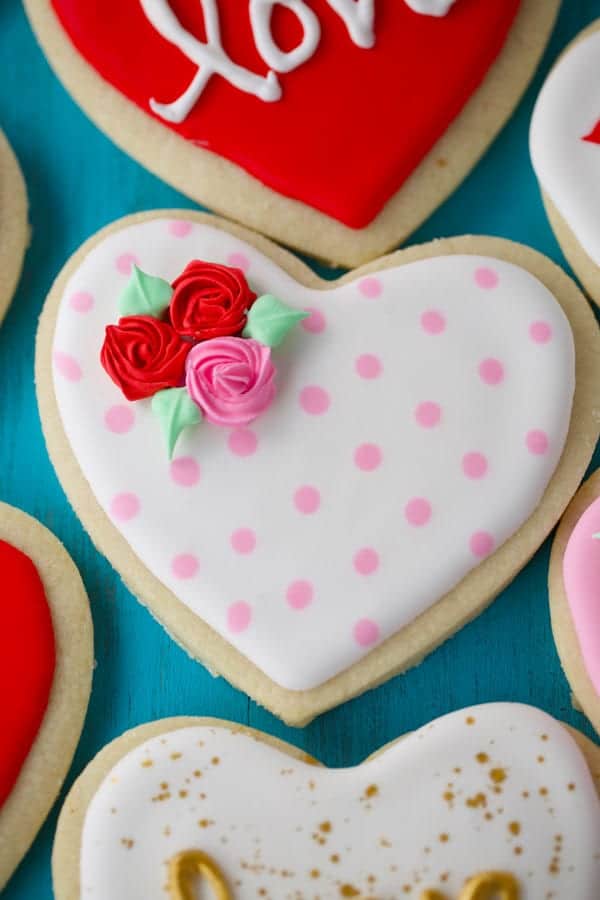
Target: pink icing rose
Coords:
[[231, 379]]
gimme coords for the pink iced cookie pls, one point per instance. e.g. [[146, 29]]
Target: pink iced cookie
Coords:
[[575, 596]]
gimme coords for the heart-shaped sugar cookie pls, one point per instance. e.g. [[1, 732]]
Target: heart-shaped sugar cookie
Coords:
[[574, 584], [424, 413], [45, 677], [565, 149], [492, 795], [335, 126], [14, 231]]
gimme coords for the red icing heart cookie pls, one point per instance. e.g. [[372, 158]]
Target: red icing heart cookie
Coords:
[[27, 660], [45, 677], [313, 113]]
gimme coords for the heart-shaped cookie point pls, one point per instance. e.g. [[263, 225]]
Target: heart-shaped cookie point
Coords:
[[284, 115], [565, 150], [574, 584], [502, 807], [45, 676], [421, 411]]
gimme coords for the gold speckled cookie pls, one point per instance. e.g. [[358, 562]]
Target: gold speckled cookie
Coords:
[[14, 230], [334, 126], [312, 484], [493, 801], [46, 658]]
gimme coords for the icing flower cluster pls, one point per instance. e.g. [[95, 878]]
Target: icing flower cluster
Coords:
[[199, 347]]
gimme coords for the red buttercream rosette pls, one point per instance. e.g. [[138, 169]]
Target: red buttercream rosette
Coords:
[[144, 355], [210, 300]]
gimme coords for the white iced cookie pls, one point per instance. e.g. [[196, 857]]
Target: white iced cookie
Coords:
[[350, 482], [491, 801], [565, 150]]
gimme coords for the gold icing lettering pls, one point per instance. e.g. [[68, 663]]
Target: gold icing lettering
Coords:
[[191, 865]]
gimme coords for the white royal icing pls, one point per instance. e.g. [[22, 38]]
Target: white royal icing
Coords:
[[567, 166], [431, 7], [388, 465], [510, 792]]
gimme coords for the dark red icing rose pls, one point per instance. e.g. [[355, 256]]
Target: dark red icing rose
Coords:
[[210, 301], [143, 355]]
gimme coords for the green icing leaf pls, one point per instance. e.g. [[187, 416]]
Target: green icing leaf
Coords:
[[175, 411], [144, 295], [597, 536], [269, 320]]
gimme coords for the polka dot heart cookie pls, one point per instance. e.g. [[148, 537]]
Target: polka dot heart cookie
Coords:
[[304, 504], [46, 659], [327, 164], [501, 797], [14, 230], [565, 150], [574, 584]]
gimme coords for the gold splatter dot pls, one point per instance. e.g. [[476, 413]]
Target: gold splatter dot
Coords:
[[371, 791], [478, 800], [334, 858], [348, 890], [325, 827], [175, 755], [514, 828], [314, 873], [127, 843], [215, 760], [444, 838], [498, 775], [146, 763], [470, 720], [543, 792], [570, 786], [482, 758], [205, 823]]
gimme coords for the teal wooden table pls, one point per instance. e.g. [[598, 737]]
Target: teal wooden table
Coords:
[[78, 181]]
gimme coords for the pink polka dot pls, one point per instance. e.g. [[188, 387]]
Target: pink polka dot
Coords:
[[180, 228], [243, 540], [315, 323], [185, 471], [367, 457], [370, 287], [540, 332], [418, 511], [239, 261], [433, 322], [314, 400], [81, 301], [239, 616], [242, 442], [68, 367], [125, 262], [368, 365], [366, 561], [481, 544], [428, 414], [119, 419], [537, 442], [475, 465], [307, 500], [491, 371], [124, 507], [299, 594], [185, 565], [486, 278], [366, 632]]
